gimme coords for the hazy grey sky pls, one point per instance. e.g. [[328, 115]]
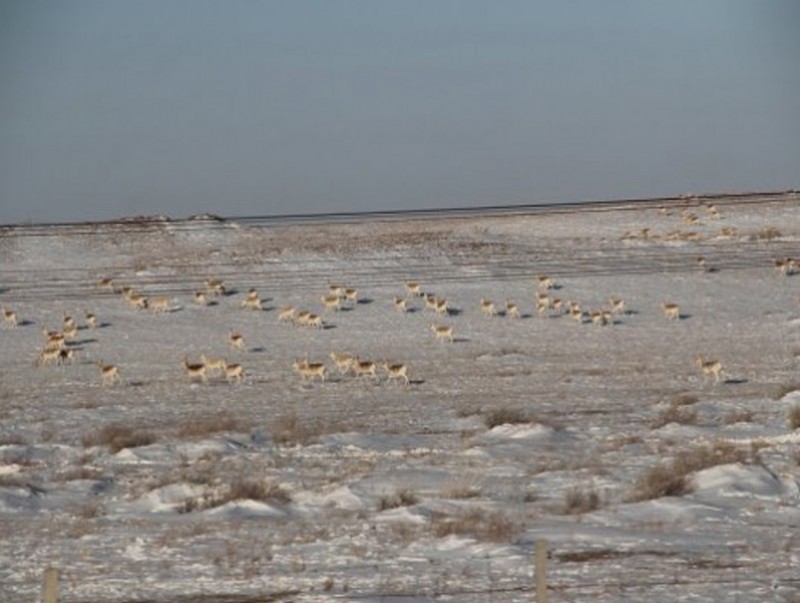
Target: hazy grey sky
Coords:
[[113, 108]]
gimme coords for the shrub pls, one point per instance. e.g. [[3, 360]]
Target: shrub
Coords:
[[578, 501], [206, 426], [785, 388], [794, 417], [675, 414], [401, 498], [476, 523], [503, 416], [672, 479], [239, 489], [289, 430], [117, 437]]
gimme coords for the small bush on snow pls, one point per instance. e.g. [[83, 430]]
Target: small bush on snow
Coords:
[[794, 418], [504, 416], [475, 523], [672, 479], [578, 501], [117, 437]]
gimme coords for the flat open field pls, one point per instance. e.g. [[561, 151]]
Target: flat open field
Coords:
[[648, 477]]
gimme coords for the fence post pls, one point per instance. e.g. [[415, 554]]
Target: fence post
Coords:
[[540, 571], [50, 587]]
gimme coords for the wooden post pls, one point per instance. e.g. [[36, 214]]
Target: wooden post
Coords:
[[540, 571], [50, 588]]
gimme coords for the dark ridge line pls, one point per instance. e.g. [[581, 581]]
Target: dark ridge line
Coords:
[[208, 220]]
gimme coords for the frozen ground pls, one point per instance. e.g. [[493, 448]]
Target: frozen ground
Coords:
[[159, 489]]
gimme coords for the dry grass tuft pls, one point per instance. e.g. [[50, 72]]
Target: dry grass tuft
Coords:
[[504, 416], [206, 426], [672, 479], [578, 501], [290, 430], [475, 523], [794, 417], [675, 414], [738, 416], [401, 498], [684, 399], [784, 389], [118, 437], [239, 489]]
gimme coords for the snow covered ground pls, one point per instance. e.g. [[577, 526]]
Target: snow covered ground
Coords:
[[648, 479]]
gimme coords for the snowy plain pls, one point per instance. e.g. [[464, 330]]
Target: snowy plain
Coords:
[[159, 488]]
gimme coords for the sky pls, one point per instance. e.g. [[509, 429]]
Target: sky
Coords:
[[112, 108]]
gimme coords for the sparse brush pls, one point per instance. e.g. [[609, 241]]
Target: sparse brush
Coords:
[[738, 416], [675, 414], [684, 399], [784, 389], [117, 437], [240, 489], [672, 479], [201, 427], [290, 430], [794, 417], [476, 523], [401, 498], [578, 501], [504, 416]]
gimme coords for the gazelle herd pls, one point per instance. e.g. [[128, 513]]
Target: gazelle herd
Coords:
[[538, 300]]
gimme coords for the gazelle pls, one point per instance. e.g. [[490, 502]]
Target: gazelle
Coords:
[[309, 370], [48, 355], [488, 307], [65, 355], [710, 368], [91, 320], [331, 302], [617, 305], [712, 211], [137, 300], [671, 310], [401, 304], [108, 372], [396, 371], [337, 290], [576, 313], [786, 266], [702, 264], [252, 301], [364, 368], [351, 295], [55, 339], [442, 307], [200, 298], [431, 302], [213, 364], [215, 286], [413, 288], [600, 317], [236, 340], [545, 282], [442, 332], [314, 320], [233, 372], [158, 304], [286, 314], [343, 362], [10, 317], [105, 284], [195, 370], [512, 310]]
